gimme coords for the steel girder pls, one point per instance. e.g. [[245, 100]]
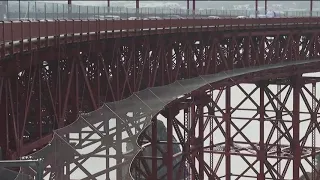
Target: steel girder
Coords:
[[54, 84], [265, 130]]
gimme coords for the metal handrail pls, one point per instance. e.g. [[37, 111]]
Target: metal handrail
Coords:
[[23, 30]]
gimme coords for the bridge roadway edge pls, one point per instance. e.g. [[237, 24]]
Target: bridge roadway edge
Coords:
[[26, 30]]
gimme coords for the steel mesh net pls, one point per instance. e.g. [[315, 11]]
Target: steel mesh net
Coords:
[[7, 174], [102, 144]]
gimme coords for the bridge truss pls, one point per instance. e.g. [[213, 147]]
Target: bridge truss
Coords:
[[188, 82]]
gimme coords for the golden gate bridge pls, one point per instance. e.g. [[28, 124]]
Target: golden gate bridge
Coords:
[[159, 98]]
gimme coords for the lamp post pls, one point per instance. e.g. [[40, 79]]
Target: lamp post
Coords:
[[256, 8], [311, 7], [19, 9]]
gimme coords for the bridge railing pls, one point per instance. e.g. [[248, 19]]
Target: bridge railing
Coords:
[[15, 31], [41, 10], [52, 11]]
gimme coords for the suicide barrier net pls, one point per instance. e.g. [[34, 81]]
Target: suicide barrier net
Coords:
[[103, 143]]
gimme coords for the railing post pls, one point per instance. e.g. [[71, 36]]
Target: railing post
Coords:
[[45, 11], [311, 7], [94, 12], [87, 12], [63, 11], [28, 10], [127, 13], [69, 9], [98, 12], [52, 11], [265, 7], [256, 8], [137, 7], [35, 10]]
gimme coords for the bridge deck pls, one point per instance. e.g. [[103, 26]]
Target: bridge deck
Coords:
[[13, 33]]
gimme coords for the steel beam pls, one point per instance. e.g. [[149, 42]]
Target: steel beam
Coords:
[[269, 150], [228, 138], [19, 163], [295, 144], [262, 152]]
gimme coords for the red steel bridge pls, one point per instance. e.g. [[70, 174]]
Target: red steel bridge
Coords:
[[191, 98]]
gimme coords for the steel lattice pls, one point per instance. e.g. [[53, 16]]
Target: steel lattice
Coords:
[[53, 84]]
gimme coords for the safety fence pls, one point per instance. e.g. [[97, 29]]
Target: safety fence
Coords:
[[51, 11]]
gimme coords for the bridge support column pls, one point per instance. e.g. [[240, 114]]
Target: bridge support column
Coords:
[[227, 119], [192, 138], [313, 116], [201, 142], [262, 152], [169, 158], [295, 144], [187, 139], [4, 141], [154, 151]]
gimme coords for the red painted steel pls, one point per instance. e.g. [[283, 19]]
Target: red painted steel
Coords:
[[44, 83], [17, 31], [267, 153]]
